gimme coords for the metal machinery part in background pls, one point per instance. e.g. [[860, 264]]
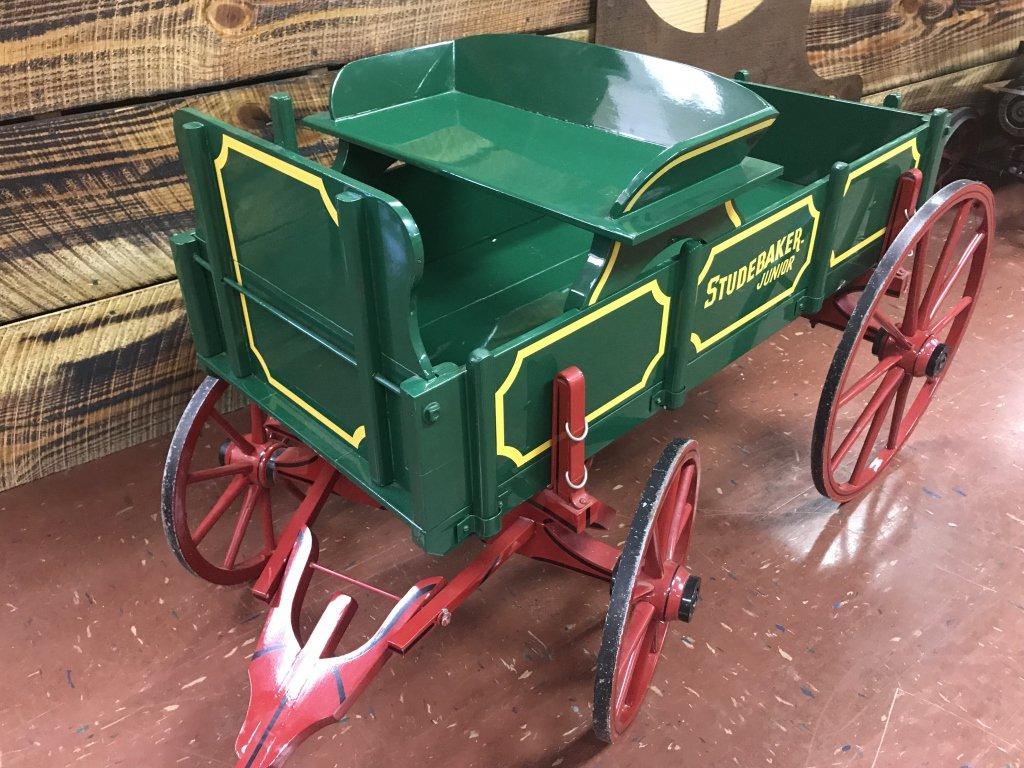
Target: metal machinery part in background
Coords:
[[1010, 110]]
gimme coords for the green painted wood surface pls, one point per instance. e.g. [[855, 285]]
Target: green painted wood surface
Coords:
[[489, 291], [580, 131]]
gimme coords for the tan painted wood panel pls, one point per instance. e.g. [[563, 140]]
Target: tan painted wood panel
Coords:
[[957, 89], [893, 42], [57, 55], [89, 380], [87, 200]]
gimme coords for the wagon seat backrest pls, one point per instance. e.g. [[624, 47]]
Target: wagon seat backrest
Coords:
[[316, 274]]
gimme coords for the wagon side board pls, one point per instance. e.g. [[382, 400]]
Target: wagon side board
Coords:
[[692, 308], [451, 448]]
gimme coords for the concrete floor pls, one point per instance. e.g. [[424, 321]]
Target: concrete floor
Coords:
[[884, 633]]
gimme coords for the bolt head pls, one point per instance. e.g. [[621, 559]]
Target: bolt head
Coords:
[[431, 413], [691, 596], [937, 362]]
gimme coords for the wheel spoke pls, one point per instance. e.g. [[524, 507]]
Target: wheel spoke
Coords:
[[957, 270], [890, 328], [888, 384], [679, 515], [630, 650], [656, 550], [950, 316], [267, 516], [869, 441], [910, 317], [651, 563], [248, 505], [234, 434], [212, 473], [867, 380], [939, 275], [894, 440], [256, 420], [219, 507]]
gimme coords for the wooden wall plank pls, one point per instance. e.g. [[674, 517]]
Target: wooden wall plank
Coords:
[[86, 381], [957, 89], [893, 42], [87, 200], [58, 55]]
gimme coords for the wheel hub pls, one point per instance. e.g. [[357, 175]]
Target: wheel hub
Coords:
[[927, 356], [682, 593], [261, 461], [691, 596]]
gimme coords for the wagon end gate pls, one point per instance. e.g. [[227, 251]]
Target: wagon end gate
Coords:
[[284, 286]]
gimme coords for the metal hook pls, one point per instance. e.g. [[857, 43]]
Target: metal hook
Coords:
[[583, 482], [581, 438]]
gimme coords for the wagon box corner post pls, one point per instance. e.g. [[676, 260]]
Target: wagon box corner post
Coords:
[[502, 272]]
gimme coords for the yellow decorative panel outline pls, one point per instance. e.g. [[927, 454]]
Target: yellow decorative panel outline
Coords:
[[807, 202], [733, 214], [518, 457], [310, 179], [911, 145], [764, 124]]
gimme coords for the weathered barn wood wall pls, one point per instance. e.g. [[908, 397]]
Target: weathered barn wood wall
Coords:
[[94, 349], [88, 199], [95, 353], [955, 89], [888, 44], [893, 44], [111, 50], [82, 382]]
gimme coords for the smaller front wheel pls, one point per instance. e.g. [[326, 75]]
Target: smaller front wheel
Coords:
[[651, 587], [219, 477]]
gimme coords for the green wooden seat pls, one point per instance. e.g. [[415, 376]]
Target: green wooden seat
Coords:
[[515, 154], [588, 134]]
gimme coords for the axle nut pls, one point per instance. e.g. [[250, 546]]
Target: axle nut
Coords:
[[691, 596], [937, 362]]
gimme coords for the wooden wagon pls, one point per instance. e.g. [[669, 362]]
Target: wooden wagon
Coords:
[[525, 247]]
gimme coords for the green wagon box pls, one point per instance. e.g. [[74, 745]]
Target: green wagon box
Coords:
[[524, 248]]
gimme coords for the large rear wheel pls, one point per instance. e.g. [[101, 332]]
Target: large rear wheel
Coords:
[[898, 344]]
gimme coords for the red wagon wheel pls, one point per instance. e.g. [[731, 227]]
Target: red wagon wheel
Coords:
[[651, 586], [216, 501], [897, 346]]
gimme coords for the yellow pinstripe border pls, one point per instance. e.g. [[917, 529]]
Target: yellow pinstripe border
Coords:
[[733, 214], [312, 180], [518, 457], [700, 344], [911, 144], [606, 273]]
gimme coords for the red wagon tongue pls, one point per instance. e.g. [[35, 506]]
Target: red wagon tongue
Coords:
[[297, 689]]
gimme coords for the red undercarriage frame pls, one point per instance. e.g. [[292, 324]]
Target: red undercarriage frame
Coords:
[[298, 688]]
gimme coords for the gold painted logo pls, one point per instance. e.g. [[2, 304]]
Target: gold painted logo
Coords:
[[768, 266], [744, 278], [702, 16]]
